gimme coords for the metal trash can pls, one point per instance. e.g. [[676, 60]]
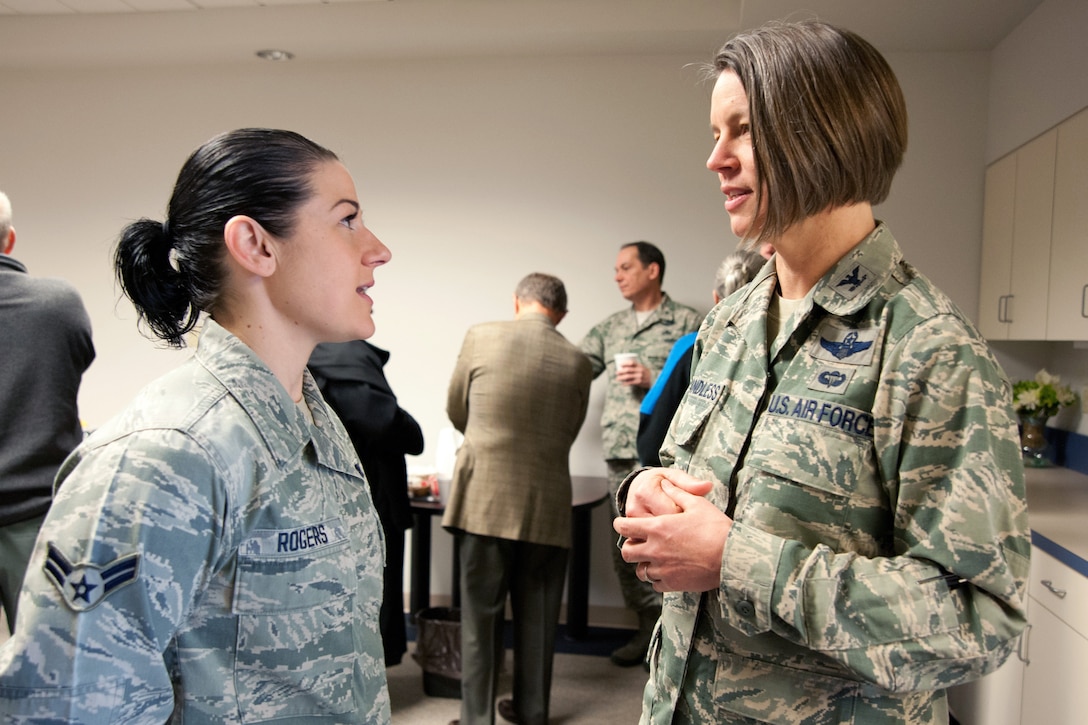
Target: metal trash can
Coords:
[[438, 650]]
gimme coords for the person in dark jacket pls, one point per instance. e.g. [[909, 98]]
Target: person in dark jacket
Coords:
[[660, 404], [45, 348], [351, 377]]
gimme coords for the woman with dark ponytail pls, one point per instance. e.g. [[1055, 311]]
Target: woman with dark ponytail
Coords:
[[212, 554]]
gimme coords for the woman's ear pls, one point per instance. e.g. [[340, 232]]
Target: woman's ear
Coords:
[[250, 245]]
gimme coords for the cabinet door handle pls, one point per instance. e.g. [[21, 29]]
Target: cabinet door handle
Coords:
[[1022, 645], [1003, 308], [1084, 301], [1059, 593]]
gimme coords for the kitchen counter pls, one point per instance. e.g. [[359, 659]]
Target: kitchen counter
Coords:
[[1058, 514]]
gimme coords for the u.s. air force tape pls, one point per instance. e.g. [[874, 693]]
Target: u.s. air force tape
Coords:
[[822, 412]]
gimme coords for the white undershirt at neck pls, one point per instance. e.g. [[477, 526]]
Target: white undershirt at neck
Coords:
[[779, 311]]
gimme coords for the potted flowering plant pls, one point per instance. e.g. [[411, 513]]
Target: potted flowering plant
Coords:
[[1035, 401], [1041, 397]]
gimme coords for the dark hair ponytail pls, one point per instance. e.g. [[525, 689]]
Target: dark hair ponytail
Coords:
[[149, 279], [173, 271]]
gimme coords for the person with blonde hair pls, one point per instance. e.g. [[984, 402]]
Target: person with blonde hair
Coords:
[[735, 271]]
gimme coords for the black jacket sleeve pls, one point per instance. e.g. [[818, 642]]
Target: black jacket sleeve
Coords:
[[653, 427]]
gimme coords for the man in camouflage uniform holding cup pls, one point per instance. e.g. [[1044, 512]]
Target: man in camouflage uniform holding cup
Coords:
[[843, 534], [632, 345]]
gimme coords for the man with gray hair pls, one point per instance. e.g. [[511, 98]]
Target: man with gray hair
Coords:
[[45, 336], [519, 393]]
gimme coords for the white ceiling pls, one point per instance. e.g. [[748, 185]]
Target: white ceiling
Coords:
[[85, 33]]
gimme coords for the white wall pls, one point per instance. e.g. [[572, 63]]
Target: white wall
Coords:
[[1037, 80], [1038, 76], [474, 172], [935, 207]]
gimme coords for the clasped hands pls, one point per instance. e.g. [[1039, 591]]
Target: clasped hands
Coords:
[[674, 535]]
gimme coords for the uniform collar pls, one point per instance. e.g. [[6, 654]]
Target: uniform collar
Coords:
[[11, 263], [665, 310], [853, 281], [278, 420], [847, 287]]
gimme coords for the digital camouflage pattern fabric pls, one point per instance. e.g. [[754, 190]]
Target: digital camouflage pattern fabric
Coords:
[[652, 341], [211, 557], [880, 546]]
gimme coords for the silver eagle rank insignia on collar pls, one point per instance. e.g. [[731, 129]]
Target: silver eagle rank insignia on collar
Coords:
[[853, 280]]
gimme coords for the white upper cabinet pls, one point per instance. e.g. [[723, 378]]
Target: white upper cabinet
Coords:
[[995, 284], [1016, 239], [1067, 309]]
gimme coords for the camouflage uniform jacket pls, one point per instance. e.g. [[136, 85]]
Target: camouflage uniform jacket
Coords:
[[210, 557], [880, 547], [652, 341]]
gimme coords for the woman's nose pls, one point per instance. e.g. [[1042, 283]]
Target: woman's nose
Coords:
[[720, 156], [379, 254]]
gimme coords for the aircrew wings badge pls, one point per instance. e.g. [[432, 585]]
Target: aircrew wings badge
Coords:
[[84, 586]]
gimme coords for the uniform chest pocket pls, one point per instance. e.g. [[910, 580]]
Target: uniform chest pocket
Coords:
[[699, 403], [719, 386], [813, 483], [296, 608]]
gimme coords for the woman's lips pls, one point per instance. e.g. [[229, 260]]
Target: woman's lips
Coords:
[[735, 198]]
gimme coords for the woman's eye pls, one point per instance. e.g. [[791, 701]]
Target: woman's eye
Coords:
[[349, 220]]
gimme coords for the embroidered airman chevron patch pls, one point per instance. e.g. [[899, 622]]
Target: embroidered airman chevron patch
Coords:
[[83, 587]]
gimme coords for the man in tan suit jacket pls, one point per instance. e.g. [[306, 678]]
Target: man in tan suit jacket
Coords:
[[519, 393]]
